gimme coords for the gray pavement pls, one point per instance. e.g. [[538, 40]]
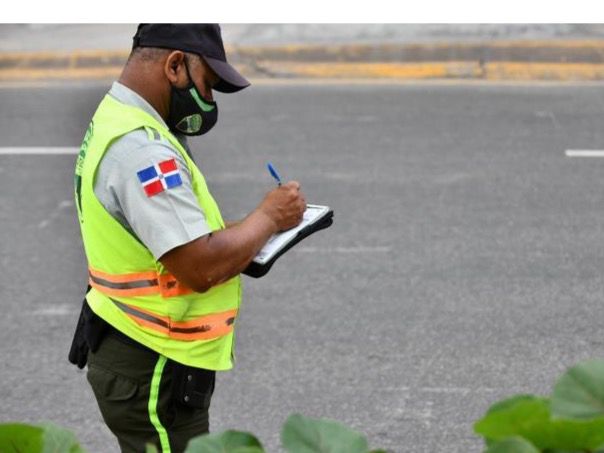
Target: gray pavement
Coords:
[[67, 37], [464, 264]]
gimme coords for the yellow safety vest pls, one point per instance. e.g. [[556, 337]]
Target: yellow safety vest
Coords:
[[130, 289]]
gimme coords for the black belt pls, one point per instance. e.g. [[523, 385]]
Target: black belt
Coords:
[[126, 339]]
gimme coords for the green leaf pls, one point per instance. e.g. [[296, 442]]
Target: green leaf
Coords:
[[555, 450], [47, 438], [307, 435], [513, 445], [225, 442], [509, 402], [579, 393], [529, 417], [20, 437], [150, 448], [59, 440]]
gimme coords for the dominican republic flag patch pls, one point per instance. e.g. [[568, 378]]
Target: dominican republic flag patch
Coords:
[[159, 177]]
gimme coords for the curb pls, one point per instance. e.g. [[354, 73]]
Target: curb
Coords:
[[496, 61]]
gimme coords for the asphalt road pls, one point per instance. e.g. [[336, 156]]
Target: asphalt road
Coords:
[[464, 264]]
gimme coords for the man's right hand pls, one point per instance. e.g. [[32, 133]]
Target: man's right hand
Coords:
[[284, 205], [214, 258]]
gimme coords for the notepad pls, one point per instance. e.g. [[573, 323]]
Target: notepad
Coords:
[[315, 218]]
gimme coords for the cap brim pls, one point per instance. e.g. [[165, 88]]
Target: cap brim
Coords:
[[230, 80]]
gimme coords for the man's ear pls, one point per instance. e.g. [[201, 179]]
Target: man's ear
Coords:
[[174, 68]]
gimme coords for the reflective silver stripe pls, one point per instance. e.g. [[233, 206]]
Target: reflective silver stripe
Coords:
[[200, 328], [139, 314], [124, 285], [160, 322]]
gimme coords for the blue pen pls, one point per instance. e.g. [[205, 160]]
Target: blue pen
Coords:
[[273, 173]]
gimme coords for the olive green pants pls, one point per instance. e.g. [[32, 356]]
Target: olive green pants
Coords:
[[133, 388]]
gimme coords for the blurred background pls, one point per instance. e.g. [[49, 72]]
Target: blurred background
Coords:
[[34, 37], [464, 264], [389, 51]]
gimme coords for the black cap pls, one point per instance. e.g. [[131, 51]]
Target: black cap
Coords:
[[202, 39]]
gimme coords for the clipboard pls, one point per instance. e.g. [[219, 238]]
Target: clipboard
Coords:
[[316, 218]]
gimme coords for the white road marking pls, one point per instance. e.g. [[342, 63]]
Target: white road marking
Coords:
[[584, 153], [361, 249], [424, 415], [56, 212], [548, 114], [441, 390], [37, 150], [447, 390], [55, 310]]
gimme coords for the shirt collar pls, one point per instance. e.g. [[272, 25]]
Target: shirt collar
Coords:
[[127, 96]]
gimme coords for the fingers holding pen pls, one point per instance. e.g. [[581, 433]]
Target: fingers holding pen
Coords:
[[285, 205]]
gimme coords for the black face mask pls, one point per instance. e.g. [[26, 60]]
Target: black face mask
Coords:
[[190, 113]]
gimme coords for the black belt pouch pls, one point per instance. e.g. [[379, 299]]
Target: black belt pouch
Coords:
[[192, 387], [88, 335]]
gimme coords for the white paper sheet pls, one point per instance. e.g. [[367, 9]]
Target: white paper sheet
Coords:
[[278, 241]]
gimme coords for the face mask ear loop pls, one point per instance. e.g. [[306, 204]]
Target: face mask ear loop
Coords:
[[191, 83]]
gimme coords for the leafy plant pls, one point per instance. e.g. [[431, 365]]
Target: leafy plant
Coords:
[[512, 445], [227, 441], [308, 435], [572, 420], [300, 435], [47, 438], [579, 393]]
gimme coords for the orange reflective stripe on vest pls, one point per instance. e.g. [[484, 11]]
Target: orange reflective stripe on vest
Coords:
[[202, 328], [137, 284]]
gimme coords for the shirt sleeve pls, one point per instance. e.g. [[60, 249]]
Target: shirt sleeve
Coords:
[[152, 187]]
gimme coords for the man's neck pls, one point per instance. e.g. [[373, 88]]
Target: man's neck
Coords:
[[145, 88]]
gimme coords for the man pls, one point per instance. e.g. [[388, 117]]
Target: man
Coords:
[[164, 294]]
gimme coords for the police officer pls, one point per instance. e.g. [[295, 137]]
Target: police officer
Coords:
[[164, 287]]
